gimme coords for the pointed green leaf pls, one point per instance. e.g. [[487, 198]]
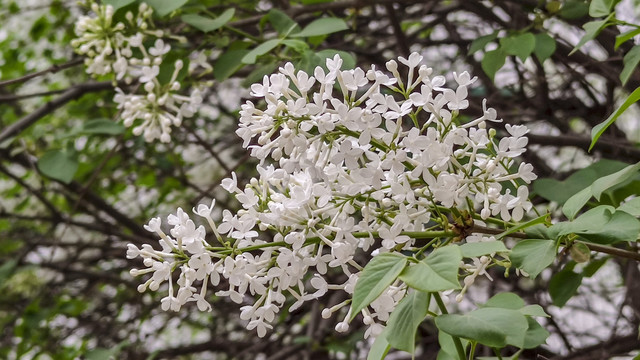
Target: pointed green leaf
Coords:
[[117, 4], [164, 7], [545, 46], [539, 220], [533, 310], [477, 249], [207, 24], [609, 181], [282, 22], [377, 275], [227, 64], [626, 36], [535, 336], [599, 8], [563, 285], [448, 346], [405, 319], [494, 327], [492, 62], [630, 61], [576, 202], [482, 41], [438, 272], [322, 26], [521, 45], [58, 165], [631, 207], [505, 300], [597, 130], [265, 47], [380, 347], [102, 126], [533, 256], [592, 29]]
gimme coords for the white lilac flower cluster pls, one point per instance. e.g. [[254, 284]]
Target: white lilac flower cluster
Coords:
[[362, 160], [123, 49]]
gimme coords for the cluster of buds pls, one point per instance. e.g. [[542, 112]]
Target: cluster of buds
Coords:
[[121, 50], [353, 163]]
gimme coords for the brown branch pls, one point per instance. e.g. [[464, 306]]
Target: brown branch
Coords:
[[613, 149], [53, 69], [72, 93]]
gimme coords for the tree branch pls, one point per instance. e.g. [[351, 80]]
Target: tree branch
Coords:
[[53, 69], [71, 94]]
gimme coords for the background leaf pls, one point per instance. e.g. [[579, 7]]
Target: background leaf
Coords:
[[533, 256], [379, 273], [58, 165]]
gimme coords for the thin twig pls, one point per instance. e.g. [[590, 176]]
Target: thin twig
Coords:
[[53, 69], [70, 94]]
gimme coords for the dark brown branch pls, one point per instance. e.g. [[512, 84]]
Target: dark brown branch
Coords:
[[72, 93], [53, 69], [610, 148]]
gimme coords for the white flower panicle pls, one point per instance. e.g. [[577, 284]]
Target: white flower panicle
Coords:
[[122, 49], [360, 159]]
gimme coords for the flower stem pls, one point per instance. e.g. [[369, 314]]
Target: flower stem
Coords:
[[456, 340]]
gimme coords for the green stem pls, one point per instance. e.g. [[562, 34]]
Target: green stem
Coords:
[[456, 340]]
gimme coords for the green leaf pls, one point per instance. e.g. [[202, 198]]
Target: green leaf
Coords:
[[630, 61], [545, 46], [492, 62], [448, 347], [561, 191], [481, 42], [533, 310], [574, 9], [609, 181], [621, 227], [631, 207], [477, 249], [521, 45], [494, 327], [297, 45], [380, 347], [377, 275], [535, 336], [597, 130], [117, 4], [563, 285], [102, 127], [505, 300], [282, 22], [542, 219], [576, 202], [599, 8], [165, 7], [593, 267], [207, 24], [626, 36], [322, 26], [533, 256], [265, 47], [438, 272], [592, 29], [227, 64], [603, 225], [7, 269], [58, 165], [404, 320]]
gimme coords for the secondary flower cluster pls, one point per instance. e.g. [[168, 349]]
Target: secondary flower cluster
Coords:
[[363, 163], [133, 50]]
